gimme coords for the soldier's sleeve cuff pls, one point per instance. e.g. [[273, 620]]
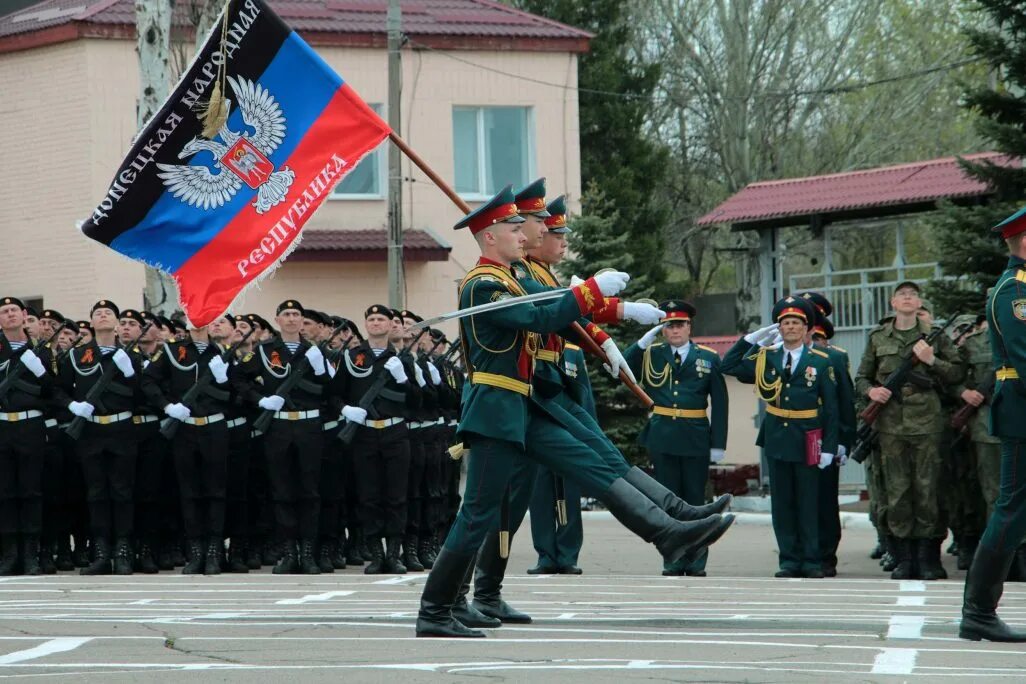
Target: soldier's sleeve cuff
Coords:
[[596, 333], [588, 295], [609, 312]]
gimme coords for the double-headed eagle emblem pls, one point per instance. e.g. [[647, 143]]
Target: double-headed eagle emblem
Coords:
[[239, 157]]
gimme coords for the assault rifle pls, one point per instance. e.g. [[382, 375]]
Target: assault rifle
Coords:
[[961, 417], [15, 374], [169, 426]]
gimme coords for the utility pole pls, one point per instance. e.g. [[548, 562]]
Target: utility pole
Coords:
[[396, 278]]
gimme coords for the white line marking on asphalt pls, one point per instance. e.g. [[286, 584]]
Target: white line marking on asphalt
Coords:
[[565, 616], [911, 585], [905, 627], [143, 602], [402, 579], [895, 661], [314, 597], [911, 601], [49, 647]]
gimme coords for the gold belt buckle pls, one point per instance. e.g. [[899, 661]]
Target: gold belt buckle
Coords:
[[292, 415], [103, 420], [13, 418], [202, 420]]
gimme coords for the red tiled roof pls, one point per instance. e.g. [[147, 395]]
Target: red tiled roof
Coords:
[[367, 245], [876, 191], [434, 23]]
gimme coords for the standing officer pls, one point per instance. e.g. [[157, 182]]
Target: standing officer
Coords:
[[293, 442], [685, 382], [798, 386], [910, 429], [1006, 318]]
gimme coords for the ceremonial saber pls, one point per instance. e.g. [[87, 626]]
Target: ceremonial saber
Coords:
[[586, 341], [490, 306]]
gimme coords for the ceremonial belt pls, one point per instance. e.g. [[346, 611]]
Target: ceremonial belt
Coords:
[[1006, 374], [51, 422], [297, 415], [453, 422], [204, 420], [414, 424], [20, 415], [112, 418], [236, 422], [788, 413], [500, 381], [140, 420], [547, 355], [330, 425], [678, 412], [383, 423]]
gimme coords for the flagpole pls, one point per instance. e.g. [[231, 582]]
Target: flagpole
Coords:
[[584, 338]]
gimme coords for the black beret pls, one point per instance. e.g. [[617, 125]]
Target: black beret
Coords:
[[437, 334], [31, 311], [106, 304], [53, 315], [289, 304], [133, 315], [378, 309], [406, 313], [12, 300], [85, 325]]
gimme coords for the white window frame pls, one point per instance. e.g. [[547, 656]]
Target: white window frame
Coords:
[[381, 152], [480, 196]]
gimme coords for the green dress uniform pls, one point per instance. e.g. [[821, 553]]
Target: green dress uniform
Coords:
[[689, 418], [798, 401]]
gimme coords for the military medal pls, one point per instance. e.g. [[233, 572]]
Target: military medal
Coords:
[[1019, 309]]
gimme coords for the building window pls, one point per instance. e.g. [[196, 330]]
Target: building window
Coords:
[[367, 180], [492, 147]]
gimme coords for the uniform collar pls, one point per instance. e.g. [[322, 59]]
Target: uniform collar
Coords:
[[683, 350], [1016, 262]]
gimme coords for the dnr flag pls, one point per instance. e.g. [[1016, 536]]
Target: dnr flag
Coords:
[[218, 213]]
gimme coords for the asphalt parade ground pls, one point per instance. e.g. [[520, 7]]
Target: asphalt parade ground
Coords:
[[619, 620]]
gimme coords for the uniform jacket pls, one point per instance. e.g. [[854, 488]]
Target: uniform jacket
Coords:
[[268, 367], [83, 368], [176, 369], [359, 369], [27, 393], [979, 375], [845, 395], [1006, 314]]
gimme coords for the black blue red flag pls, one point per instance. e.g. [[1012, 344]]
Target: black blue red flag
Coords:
[[221, 210]]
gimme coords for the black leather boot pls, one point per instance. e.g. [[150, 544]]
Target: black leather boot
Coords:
[[123, 560], [147, 563], [966, 551], [674, 506], [393, 564], [983, 588], [30, 555], [353, 556], [928, 555], [324, 562], [903, 552], [672, 537], [101, 563], [491, 570], [288, 562], [252, 554], [410, 557], [215, 551], [80, 556], [9, 559], [338, 554], [435, 617], [881, 547], [64, 562], [1017, 573], [237, 556], [466, 613], [375, 558], [426, 552], [46, 554], [307, 562], [196, 563]]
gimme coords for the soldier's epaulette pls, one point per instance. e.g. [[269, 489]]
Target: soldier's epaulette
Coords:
[[657, 344], [157, 354], [1021, 276], [247, 357], [572, 347], [835, 347], [708, 349], [136, 349], [817, 352]]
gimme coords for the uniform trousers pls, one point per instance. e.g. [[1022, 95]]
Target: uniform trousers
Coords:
[[912, 473], [1006, 527], [22, 449], [332, 487], [108, 454], [829, 515], [293, 451], [236, 521], [685, 476], [55, 515], [794, 508], [381, 463], [201, 460], [416, 501], [150, 484], [557, 545]]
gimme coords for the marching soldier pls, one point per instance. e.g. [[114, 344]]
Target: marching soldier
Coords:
[[800, 430], [685, 382], [55, 518], [1006, 318], [910, 429]]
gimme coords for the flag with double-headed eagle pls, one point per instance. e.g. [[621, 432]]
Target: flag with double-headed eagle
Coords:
[[218, 185]]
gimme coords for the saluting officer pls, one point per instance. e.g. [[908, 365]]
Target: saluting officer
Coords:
[[799, 431], [688, 425]]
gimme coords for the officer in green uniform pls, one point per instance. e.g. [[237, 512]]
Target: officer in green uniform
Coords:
[[910, 427], [1006, 317], [688, 424], [800, 430]]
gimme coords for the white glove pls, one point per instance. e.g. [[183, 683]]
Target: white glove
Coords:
[[82, 409], [825, 460], [271, 403], [32, 362], [762, 336], [395, 367], [648, 338], [616, 360], [316, 358], [842, 454], [124, 363], [611, 282], [418, 375], [774, 341], [177, 411], [643, 313], [436, 377], [354, 414], [219, 369], [717, 455], [575, 281]]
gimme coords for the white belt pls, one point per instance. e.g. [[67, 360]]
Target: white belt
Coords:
[[50, 422], [440, 421], [384, 423], [330, 425], [204, 420], [236, 422], [20, 415], [453, 422], [413, 424], [112, 418], [255, 433], [297, 415], [141, 420]]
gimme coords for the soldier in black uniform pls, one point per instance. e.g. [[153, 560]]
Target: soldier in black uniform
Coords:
[[22, 441], [294, 440], [380, 450], [55, 519], [107, 447], [263, 549]]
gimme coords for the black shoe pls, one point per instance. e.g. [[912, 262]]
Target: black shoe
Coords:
[[543, 570], [9, 559], [215, 552], [375, 558], [435, 617], [46, 563], [237, 554], [815, 573], [410, 558], [696, 573], [470, 616], [671, 572], [178, 558], [197, 562], [80, 556], [570, 570], [902, 549], [830, 571], [983, 588], [101, 563], [64, 560], [324, 563], [674, 506], [147, 565], [123, 557], [426, 553], [393, 566], [288, 564], [30, 556], [338, 555], [787, 573]]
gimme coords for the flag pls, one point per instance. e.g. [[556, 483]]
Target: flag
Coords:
[[218, 212]]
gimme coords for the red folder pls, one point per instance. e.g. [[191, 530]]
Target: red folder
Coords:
[[813, 446]]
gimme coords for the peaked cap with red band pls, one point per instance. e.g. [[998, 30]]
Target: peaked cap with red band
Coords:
[[823, 327], [500, 209], [821, 303], [795, 306], [530, 199], [677, 310], [556, 222], [1013, 225]]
